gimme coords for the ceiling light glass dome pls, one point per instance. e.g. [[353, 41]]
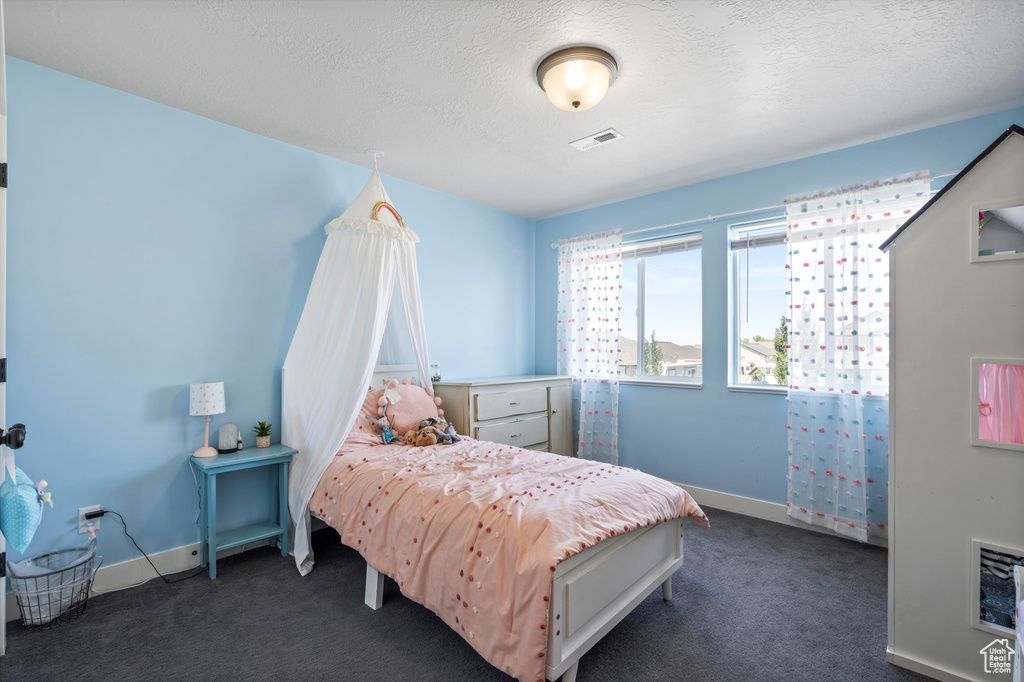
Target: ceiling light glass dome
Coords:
[[576, 78]]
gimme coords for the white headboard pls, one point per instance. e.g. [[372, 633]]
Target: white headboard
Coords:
[[382, 373]]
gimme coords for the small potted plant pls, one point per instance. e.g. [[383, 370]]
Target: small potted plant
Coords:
[[262, 430]]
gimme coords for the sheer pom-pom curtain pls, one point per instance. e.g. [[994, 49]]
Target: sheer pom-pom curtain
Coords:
[[839, 351], [589, 299]]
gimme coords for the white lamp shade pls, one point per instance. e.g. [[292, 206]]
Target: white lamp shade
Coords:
[[206, 398], [577, 85]]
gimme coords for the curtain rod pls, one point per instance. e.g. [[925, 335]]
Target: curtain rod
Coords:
[[714, 218]]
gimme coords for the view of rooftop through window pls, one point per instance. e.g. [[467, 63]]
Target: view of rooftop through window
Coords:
[[670, 307], [759, 299], [662, 304]]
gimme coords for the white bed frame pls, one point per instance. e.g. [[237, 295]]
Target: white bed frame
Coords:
[[591, 591]]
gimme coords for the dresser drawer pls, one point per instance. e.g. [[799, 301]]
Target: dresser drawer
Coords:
[[524, 432], [506, 404]]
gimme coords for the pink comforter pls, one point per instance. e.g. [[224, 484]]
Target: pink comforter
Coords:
[[474, 530]]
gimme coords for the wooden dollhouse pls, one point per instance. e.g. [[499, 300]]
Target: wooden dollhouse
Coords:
[[956, 472]]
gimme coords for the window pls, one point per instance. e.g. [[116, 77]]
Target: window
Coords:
[[662, 306], [758, 290]]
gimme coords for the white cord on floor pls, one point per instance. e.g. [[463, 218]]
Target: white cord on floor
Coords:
[[192, 468]]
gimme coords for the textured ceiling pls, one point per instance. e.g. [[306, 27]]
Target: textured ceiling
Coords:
[[706, 88]]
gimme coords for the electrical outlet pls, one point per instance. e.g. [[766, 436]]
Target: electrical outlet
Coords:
[[83, 524]]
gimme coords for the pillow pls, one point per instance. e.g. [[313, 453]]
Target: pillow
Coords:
[[363, 432], [416, 404], [21, 508]]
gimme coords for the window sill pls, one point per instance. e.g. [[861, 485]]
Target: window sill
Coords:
[[655, 382], [750, 388]]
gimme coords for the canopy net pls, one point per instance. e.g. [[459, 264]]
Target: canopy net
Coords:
[[363, 309]]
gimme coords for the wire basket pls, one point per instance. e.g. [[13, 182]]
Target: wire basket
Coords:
[[53, 588]]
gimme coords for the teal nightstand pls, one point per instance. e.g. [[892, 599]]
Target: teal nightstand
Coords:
[[209, 468]]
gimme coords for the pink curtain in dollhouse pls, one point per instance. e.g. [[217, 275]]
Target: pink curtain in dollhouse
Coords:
[[1001, 403]]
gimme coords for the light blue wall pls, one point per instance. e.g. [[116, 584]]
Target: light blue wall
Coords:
[[713, 438], [149, 248]]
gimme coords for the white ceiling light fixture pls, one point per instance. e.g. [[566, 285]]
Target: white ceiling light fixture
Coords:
[[576, 78]]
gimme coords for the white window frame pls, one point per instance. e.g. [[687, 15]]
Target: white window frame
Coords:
[[737, 231], [638, 251]]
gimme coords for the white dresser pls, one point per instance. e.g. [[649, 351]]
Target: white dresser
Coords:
[[532, 412]]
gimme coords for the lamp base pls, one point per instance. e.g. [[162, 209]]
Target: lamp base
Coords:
[[205, 452]]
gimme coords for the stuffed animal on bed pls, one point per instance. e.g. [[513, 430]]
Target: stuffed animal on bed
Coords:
[[415, 413], [448, 435], [419, 438], [445, 432], [432, 431], [387, 435], [425, 437]]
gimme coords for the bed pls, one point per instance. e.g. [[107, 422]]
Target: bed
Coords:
[[530, 556], [583, 542]]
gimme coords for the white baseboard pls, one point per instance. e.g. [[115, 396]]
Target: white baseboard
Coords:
[[923, 668], [759, 509], [134, 571]]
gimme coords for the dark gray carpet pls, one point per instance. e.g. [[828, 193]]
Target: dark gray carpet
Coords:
[[753, 600]]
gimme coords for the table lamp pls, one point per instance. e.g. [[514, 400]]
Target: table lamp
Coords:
[[205, 399]]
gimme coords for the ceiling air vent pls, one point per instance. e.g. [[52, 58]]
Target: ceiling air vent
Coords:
[[591, 141]]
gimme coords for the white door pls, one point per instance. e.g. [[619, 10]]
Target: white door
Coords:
[[3, 306]]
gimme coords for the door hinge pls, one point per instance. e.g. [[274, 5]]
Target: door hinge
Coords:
[[3, 564], [3, 370], [3, 174]]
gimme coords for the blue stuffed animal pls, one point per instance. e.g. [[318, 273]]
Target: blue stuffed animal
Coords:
[[387, 435], [21, 509]]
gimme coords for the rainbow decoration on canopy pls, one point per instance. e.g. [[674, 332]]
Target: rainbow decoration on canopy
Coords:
[[383, 204]]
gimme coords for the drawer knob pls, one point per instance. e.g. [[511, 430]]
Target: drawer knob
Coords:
[[515, 435], [514, 403]]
